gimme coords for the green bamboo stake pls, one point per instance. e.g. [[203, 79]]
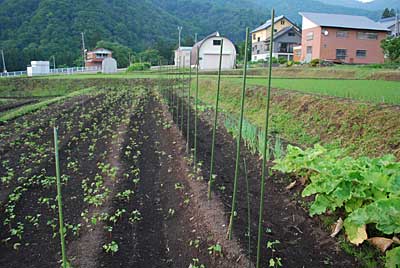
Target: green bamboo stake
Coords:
[[183, 92], [176, 95], [239, 138], [59, 200], [188, 107], [264, 161], [195, 109], [215, 123]]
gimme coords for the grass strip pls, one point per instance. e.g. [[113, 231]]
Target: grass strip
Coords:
[[40, 105]]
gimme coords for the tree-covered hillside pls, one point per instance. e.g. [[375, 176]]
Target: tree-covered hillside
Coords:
[[38, 29]]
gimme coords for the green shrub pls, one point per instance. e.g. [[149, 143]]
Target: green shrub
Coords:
[[314, 62], [282, 60], [138, 66], [289, 63]]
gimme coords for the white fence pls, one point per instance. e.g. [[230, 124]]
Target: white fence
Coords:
[[11, 74], [70, 70]]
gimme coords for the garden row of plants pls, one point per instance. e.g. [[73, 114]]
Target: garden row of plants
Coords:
[[85, 131]]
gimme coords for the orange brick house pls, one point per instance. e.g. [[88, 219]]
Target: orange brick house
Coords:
[[341, 38], [96, 57]]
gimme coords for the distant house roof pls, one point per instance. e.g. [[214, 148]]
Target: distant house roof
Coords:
[[101, 50], [184, 48], [267, 24], [214, 34], [388, 22], [284, 31], [343, 21]]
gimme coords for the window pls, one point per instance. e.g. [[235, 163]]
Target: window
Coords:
[[361, 53], [341, 34], [298, 53], [367, 36], [310, 36], [216, 42], [341, 54], [255, 57], [275, 30], [254, 36], [291, 34], [283, 47], [309, 49], [282, 22], [258, 39], [258, 51]]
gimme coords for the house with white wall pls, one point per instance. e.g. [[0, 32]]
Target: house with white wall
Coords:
[[182, 57], [209, 53]]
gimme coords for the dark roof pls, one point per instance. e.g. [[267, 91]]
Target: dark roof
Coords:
[[214, 34], [267, 24], [343, 21], [284, 31]]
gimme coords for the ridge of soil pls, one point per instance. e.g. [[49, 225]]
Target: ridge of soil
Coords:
[[162, 238]]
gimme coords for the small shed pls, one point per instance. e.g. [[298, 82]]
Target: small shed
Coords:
[[182, 56], [38, 68], [209, 50], [109, 66]]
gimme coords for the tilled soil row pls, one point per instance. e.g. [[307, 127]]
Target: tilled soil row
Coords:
[[178, 224], [300, 240]]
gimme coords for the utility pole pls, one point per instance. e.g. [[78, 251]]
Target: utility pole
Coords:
[[397, 26], [83, 49], [54, 62], [4, 62], [179, 40]]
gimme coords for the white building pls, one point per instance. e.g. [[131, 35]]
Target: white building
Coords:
[[182, 56], [38, 68], [109, 66], [209, 50], [393, 24]]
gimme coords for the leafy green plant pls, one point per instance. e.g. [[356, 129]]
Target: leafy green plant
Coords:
[[111, 247], [135, 216], [215, 250], [196, 263], [367, 189]]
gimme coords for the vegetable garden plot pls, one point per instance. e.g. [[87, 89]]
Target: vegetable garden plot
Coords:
[[126, 196], [290, 233], [29, 212]]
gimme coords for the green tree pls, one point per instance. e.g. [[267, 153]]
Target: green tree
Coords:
[[391, 48], [241, 49], [149, 55], [387, 13]]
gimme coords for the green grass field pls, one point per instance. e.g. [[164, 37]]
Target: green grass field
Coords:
[[377, 91]]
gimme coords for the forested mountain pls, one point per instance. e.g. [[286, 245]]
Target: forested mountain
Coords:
[[38, 29], [373, 5]]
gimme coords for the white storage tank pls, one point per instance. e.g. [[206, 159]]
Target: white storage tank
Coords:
[[109, 66], [38, 68]]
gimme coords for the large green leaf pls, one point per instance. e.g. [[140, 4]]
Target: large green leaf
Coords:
[[393, 258], [385, 213]]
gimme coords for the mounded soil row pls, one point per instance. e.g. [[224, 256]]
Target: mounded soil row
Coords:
[[302, 240]]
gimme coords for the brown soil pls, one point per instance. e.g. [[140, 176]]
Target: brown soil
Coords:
[[303, 242]]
